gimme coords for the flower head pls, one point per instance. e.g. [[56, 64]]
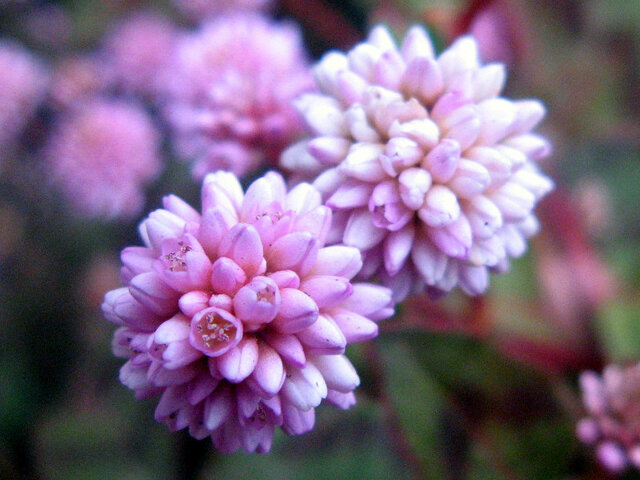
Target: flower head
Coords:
[[232, 90], [239, 317], [101, 155], [431, 173], [23, 84], [612, 424], [76, 79], [138, 50]]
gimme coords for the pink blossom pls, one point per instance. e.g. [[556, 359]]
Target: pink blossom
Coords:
[[101, 154], [612, 403], [137, 51], [231, 93], [23, 84], [430, 172], [76, 79], [238, 317]]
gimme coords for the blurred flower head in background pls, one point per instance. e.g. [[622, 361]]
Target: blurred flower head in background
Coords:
[[612, 425], [24, 81], [76, 79], [431, 173], [231, 91], [137, 51], [101, 154], [239, 317]]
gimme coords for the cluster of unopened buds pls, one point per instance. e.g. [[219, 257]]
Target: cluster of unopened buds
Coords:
[[423, 177]]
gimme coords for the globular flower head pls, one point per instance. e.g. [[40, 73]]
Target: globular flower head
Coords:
[[431, 173], [231, 93], [101, 155], [23, 84], [612, 424], [137, 51], [238, 317], [77, 79]]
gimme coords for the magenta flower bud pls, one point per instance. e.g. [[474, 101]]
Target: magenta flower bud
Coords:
[[442, 161], [297, 311], [329, 150], [470, 179], [295, 251], [440, 208], [215, 331], [327, 291], [269, 373], [363, 163], [223, 311], [400, 153], [244, 245], [355, 327], [297, 421], [170, 343], [258, 302], [227, 276], [387, 209], [288, 347], [397, 248], [337, 371], [238, 363], [338, 260], [422, 130], [351, 194], [149, 289], [305, 387], [285, 279], [414, 183], [323, 336]]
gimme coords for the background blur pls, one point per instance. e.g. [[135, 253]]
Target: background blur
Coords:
[[458, 388]]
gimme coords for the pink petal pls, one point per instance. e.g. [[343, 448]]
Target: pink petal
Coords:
[[327, 291], [243, 245], [323, 337], [288, 347], [337, 371], [355, 327], [297, 311], [239, 362]]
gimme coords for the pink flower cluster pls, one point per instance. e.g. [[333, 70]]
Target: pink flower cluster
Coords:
[[239, 316], [232, 90], [432, 174], [101, 155], [23, 84], [137, 52], [612, 424]]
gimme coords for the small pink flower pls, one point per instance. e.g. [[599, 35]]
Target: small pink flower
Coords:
[[239, 317], [231, 91], [430, 172], [101, 154], [612, 403], [23, 85]]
